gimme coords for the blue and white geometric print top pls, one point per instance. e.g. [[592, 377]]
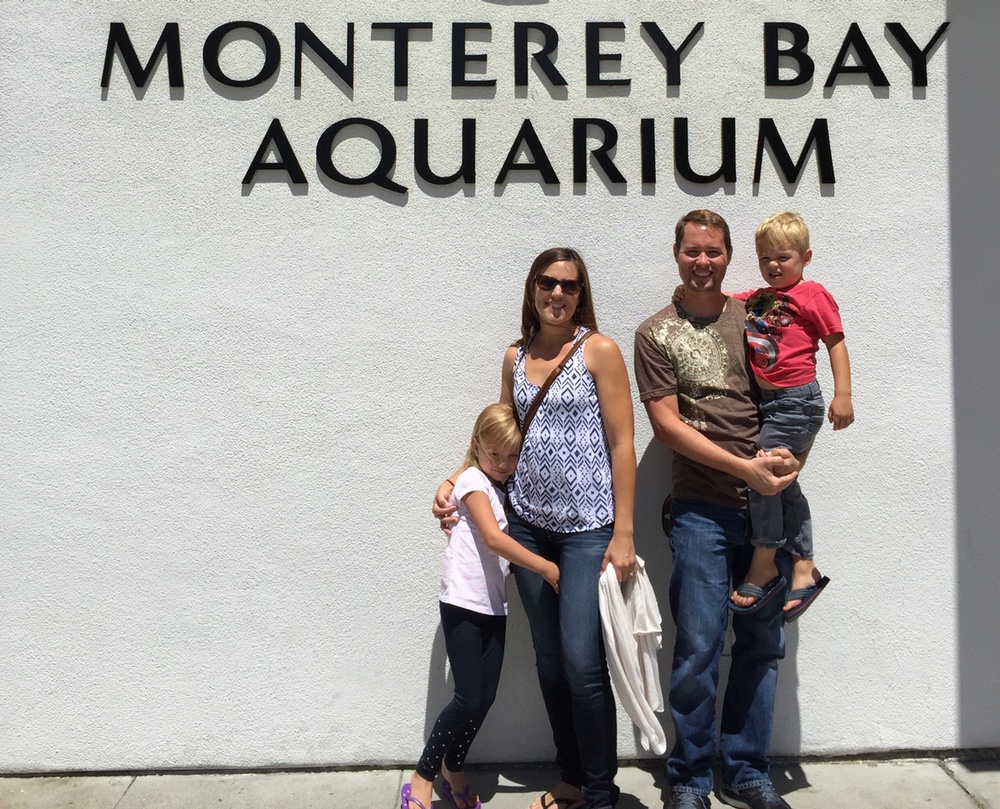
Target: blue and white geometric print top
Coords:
[[563, 478]]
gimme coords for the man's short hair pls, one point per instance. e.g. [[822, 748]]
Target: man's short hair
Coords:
[[706, 218], [782, 229]]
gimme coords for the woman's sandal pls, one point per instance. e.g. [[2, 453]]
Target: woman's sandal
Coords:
[[464, 797]]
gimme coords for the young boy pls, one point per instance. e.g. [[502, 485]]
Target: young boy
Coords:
[[785, 322]]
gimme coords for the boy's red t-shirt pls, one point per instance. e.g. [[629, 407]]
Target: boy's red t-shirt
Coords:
[[784, 328]]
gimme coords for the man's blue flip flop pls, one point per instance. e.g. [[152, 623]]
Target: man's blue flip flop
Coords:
[[763, 594], [808, 596]]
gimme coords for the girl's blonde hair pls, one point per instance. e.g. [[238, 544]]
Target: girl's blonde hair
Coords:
[[496, 430]]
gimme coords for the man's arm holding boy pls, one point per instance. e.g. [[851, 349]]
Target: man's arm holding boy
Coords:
[[767, 474], [764, 473]]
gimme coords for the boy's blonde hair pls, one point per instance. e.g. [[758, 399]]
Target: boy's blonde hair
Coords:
[[496, 430], [780, 229]]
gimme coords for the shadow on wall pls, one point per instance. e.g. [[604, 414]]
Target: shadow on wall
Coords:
[[973, 121]]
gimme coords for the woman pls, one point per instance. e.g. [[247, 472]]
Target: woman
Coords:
[[571, 500]]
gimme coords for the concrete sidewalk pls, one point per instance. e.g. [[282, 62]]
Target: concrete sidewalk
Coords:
[[876, 784]]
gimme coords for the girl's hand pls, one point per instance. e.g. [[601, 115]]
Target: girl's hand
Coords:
[[551, 575], [443, 509], [841, 412]]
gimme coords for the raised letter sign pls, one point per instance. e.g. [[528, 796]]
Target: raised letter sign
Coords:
[[819, 134], [460, 59], [304, 36], [421, 143], [380, 175], [647, 149], [797, 52], [671, 55], [918, 57], [595, 58], [528, 138], [682, 154], [286, 160], [551, 42], [609, 139], [867, 63], [401, 36], [169, 39], [213, 47]]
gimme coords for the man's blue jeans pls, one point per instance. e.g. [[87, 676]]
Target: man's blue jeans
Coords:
[[710, 551], [569, 655]]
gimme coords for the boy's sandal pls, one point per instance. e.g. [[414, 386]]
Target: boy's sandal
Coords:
[[763, 594], [806, 596]]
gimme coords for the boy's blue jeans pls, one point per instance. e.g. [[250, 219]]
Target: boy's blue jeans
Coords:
[[569, 655], [709, 549], [790, 418]]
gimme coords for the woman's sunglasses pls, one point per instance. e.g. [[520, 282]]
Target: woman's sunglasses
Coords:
[[547, 283]]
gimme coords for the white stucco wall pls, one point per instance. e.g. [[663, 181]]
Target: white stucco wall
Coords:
[[225, 409]]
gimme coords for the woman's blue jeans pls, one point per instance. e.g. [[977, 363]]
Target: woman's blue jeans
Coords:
[[569, 655], [709, 549]]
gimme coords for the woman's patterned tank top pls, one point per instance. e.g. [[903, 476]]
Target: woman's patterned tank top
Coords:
[[563, 478]]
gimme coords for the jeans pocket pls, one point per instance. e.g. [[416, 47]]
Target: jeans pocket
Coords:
[[815, 415]]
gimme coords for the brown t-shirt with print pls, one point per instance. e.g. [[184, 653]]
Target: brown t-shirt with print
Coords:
[[703, 361]]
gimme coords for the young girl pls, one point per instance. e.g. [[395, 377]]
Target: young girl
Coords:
[[474, 606]]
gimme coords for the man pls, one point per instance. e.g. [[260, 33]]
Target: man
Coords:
[[694, 379]]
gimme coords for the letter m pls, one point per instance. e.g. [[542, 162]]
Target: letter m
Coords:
[[170, 39], [819, 136]]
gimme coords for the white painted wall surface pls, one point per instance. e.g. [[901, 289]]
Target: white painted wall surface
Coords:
[[224, 412]]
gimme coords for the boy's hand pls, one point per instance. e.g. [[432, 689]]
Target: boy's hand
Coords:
[[678, 296], [841, 413]]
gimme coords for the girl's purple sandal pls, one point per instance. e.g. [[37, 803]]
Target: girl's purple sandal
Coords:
[[406, 800], [464, 797]]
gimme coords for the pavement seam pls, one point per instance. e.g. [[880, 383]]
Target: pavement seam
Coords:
[[119, 801], [954, 777]]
